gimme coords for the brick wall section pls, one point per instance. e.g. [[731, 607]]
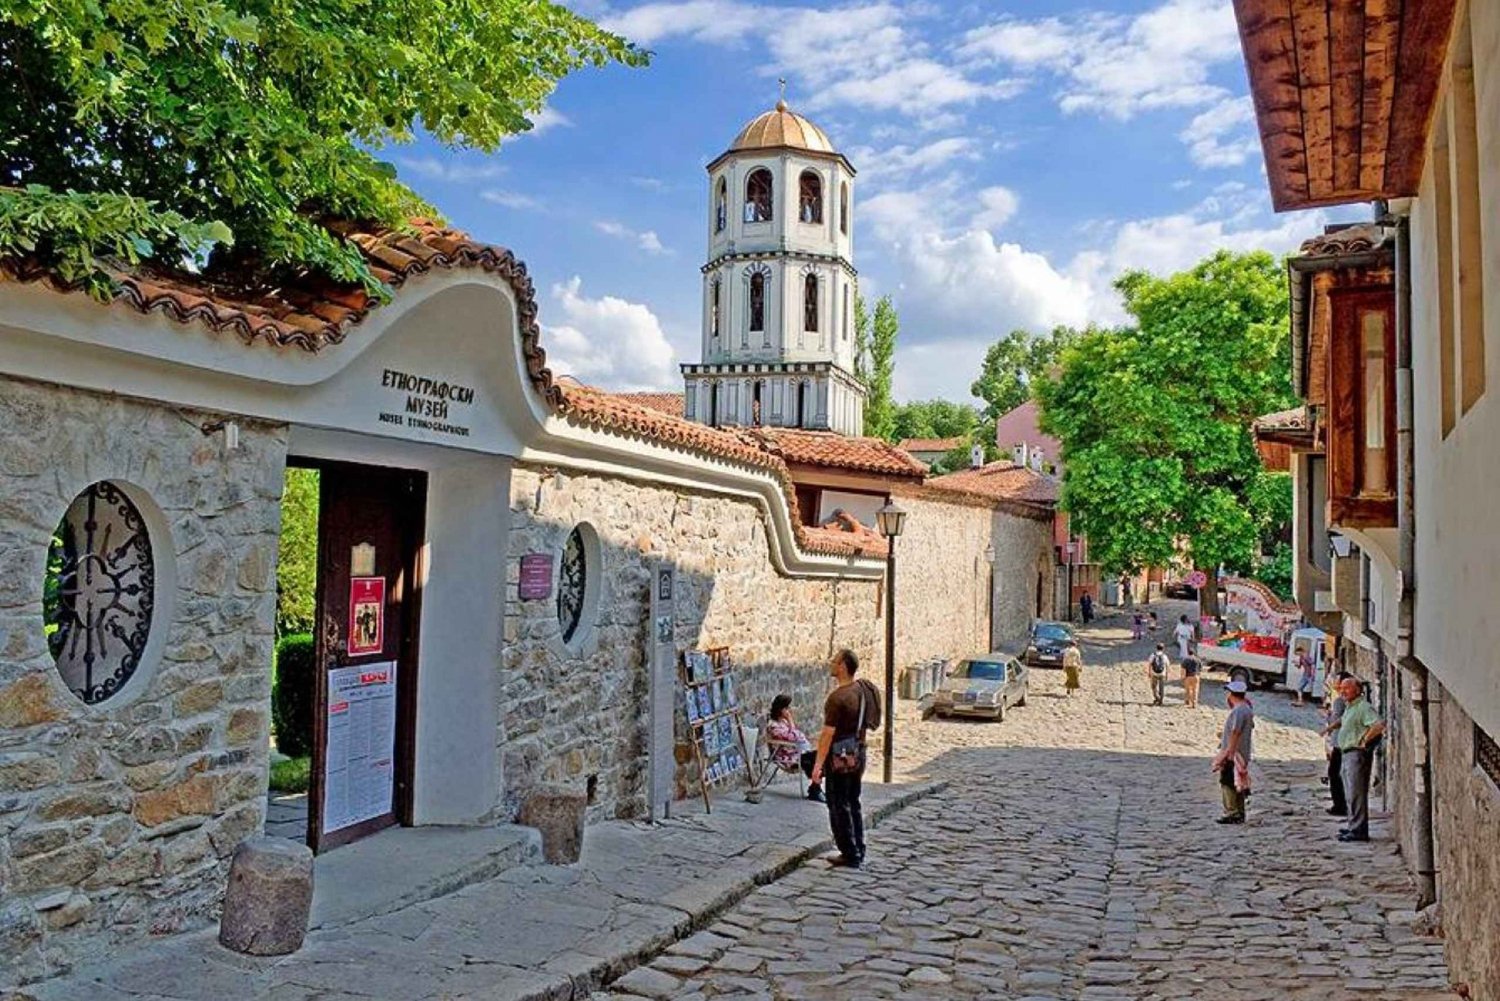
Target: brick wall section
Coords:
[[567, 715], [117, 820], [1467, 831]]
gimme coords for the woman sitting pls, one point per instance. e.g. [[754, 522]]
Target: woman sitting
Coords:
[[791, 749]]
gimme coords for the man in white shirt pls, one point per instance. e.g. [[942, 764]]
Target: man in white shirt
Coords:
[[1184, 633]]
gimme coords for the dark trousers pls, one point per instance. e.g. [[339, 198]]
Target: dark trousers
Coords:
[[1336, 781], [1356, 765], [844, 814], [809, 758], [1234, 800]]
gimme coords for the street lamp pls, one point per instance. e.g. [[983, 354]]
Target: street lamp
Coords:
[[1072, 548], [892, 519]]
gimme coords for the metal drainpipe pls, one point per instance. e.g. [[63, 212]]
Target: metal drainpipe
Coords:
[[1406, 479]]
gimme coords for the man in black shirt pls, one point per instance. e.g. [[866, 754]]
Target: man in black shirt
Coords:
[[852, 708]]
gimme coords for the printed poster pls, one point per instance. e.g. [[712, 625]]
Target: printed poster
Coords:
[[366, 615], [359, 769]]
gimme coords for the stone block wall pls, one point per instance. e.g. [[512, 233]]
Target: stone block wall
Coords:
[[1466, 827], [117, 819], [574, 713], [569, 714]]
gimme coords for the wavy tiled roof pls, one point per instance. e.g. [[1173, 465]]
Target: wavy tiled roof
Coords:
[[828, 448], [930, 444], [667, 403], [311, 312], [1004, 481]]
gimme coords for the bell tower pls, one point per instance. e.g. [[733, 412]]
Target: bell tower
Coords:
[[779, 284]]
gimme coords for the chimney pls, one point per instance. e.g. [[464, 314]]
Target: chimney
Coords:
[[1018, 454], [976, 455], [1036, 458]]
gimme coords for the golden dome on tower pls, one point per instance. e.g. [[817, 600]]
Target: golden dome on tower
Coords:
[[781, 128]]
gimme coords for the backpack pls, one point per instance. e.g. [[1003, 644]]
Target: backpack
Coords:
[[1159, 663]]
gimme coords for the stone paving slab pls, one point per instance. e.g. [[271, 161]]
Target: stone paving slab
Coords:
[[532, 931]]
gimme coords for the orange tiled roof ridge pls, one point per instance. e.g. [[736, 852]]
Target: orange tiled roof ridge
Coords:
[[1002, 480]]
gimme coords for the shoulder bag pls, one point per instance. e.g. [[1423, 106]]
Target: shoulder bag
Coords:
[[846, 756]]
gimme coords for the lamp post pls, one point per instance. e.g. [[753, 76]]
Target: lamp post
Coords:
[[892, 519], [1072, 547]]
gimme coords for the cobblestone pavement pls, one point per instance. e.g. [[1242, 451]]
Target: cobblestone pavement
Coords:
[[1074, 857]]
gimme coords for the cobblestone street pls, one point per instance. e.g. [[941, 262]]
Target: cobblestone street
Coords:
[[1074, 857]]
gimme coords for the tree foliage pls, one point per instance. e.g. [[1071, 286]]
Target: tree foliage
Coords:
[[940, 419], [136, 129], [1154, 419], [297, 562], [861, 340], [1016, 362], [880, 406]]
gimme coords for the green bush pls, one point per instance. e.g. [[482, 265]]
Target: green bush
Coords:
[[291, 775], [293, 692]]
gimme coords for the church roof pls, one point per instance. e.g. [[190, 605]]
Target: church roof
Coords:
[[781, 128]]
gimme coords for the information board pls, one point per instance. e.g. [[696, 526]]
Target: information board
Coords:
[[361, 746]]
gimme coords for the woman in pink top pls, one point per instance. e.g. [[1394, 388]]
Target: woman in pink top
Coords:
[[792, 748]]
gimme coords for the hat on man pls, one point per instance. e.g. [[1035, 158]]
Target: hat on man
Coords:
[[1237, 686]]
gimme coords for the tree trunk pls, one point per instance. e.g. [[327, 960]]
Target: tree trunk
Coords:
[[1208, 594]]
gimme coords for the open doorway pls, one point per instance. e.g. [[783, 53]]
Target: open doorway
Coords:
[[345, 679]]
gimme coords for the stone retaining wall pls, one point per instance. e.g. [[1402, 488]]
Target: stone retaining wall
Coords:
[[117, 819]]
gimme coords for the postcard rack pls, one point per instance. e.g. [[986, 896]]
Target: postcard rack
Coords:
[[713, 715]]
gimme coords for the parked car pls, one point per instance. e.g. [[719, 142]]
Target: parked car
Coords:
[[1047, 643], [1181, 589], [980, 686]]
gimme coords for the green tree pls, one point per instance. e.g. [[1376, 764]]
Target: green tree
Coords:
[[1154, 420], [138, 130], [861, 340], [880, 406], [1013, 364], [297, 561], [934, 419]]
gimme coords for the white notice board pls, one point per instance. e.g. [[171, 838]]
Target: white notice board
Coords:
[[361, 746]]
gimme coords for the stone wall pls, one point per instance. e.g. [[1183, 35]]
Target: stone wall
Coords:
[[577, 712], [571, 714], [117, 819], [1466, 826]]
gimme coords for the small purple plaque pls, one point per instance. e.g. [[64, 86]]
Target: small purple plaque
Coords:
[[536, 576]]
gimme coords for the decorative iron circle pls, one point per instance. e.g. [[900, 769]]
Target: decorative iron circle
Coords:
[[572, 585], [99, 592]]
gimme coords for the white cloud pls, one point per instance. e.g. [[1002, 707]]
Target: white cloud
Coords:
[[509, 199], [548, 118], [996, 206], [608, 342], [646, 240], [1224, 135], [451, 170], [702, 20], [1119, 66]]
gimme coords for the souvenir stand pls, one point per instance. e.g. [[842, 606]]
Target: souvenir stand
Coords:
[[713, 716]]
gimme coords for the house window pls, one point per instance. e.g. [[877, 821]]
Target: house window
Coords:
[[1487, 754], [810, 302], [844, 208], [714, 290], [757, 300], [1468, 247], [810, 197], [99, 594], [1361, 423], [721, 206], [758, 194], [578, 586]]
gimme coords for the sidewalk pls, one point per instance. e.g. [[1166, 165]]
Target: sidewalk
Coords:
[[533, 932]]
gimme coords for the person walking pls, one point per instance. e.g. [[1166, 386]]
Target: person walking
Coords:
[[1232, 763], [1137, 626], [1156, 673], [1086, 608], [1072, 669], [1183, 632], [1359, 727], [1332, 718], [852, 709], [1192, 677], [1306, 672]]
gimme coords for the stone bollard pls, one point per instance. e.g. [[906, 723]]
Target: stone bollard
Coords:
[[558, 812], [269, 898]]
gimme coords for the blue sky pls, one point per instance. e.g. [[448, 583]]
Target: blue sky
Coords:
[[1012, 157]]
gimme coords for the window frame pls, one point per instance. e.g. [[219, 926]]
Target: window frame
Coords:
[[766, 212], [811, 294], [1349, 504], [721, 205], [810, 205], [756, 304]]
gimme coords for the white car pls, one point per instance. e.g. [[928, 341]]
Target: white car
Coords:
[[979, 686]]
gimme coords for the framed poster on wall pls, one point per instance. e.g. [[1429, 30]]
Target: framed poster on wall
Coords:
[[366, 615]]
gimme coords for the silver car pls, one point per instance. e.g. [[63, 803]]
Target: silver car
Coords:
[[980, 686]]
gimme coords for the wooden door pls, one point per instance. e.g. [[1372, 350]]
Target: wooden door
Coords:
[[370, 524]]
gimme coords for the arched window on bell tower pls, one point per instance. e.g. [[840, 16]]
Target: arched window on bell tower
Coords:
[[759, 191], [757, 395], [715, 291], [802, 404], [721, 206], [810, 197], [844, 208], [757, 301], [810, 302]]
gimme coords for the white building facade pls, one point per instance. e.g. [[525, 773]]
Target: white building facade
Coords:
[[779, 284]]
